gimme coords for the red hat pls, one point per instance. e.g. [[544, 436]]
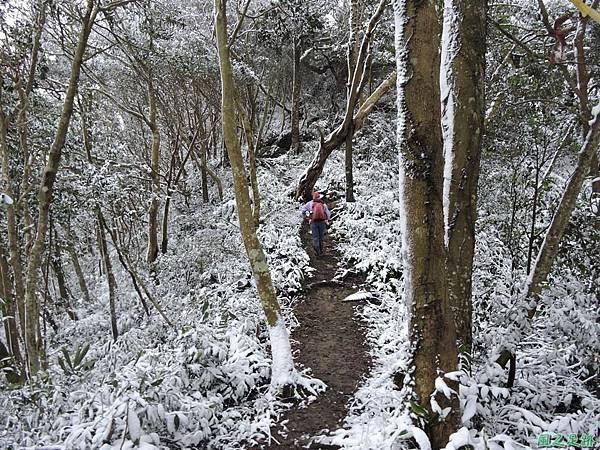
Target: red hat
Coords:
[[316, 196]]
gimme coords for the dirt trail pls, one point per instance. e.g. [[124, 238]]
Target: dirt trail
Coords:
[[330, 340]]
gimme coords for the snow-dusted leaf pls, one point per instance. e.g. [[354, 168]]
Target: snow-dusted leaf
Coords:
[[470, 408], [133, 423], [421, 438]]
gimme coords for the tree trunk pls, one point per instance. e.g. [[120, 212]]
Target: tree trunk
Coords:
[[11, 224], [282, 366], [76, 265], [57, 267], [45, 195], [354, 27], [349, 174], [152, 252], [312, 173], [296, 84], [431, 324], [9, 319], [110, 277], [464, 115], [203, 172], [583, 80], [560, 220], [350, 123], [249, 133]]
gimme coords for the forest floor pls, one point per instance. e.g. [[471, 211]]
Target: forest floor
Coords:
[[330, 339]]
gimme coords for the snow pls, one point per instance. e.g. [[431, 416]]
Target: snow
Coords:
[[6, 199], [403, 70], [441, 386], [133, 423], [460, 439], [358, 296], [449, 51], [283, 365]]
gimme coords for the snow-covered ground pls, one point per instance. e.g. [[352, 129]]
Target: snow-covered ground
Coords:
[[206, 382]]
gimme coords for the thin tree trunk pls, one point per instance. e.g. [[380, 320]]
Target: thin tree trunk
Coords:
[[464, 114], [57, 267], [349, 173], [282, 366], [534, 210], [45, 195], [11, 223], [110, 277], [76, 265], [353, 49], [249, 133], [9, 318], [203, 172], [296, 86], [431, 323], [152, 252]]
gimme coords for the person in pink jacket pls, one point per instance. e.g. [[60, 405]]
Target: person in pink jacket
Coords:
[[318, 215]]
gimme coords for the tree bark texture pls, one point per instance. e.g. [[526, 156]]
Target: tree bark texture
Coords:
[[8, 310], [465, 113], [431, 324], [45, 194]]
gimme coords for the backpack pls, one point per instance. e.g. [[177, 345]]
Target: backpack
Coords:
[[318, 212]]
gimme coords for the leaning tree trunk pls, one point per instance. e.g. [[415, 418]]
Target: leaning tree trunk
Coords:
[[350, 122], [282, 366], [464, 114], [45, 196], [431, 325], [560, 220], [337, 137], [249, 133]]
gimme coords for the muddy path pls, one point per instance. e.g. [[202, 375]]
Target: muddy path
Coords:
[[331, 341]]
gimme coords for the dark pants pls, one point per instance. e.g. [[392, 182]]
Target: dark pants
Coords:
[[318, 234]]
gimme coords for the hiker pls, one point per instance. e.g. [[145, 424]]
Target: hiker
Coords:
[[318, 215]]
